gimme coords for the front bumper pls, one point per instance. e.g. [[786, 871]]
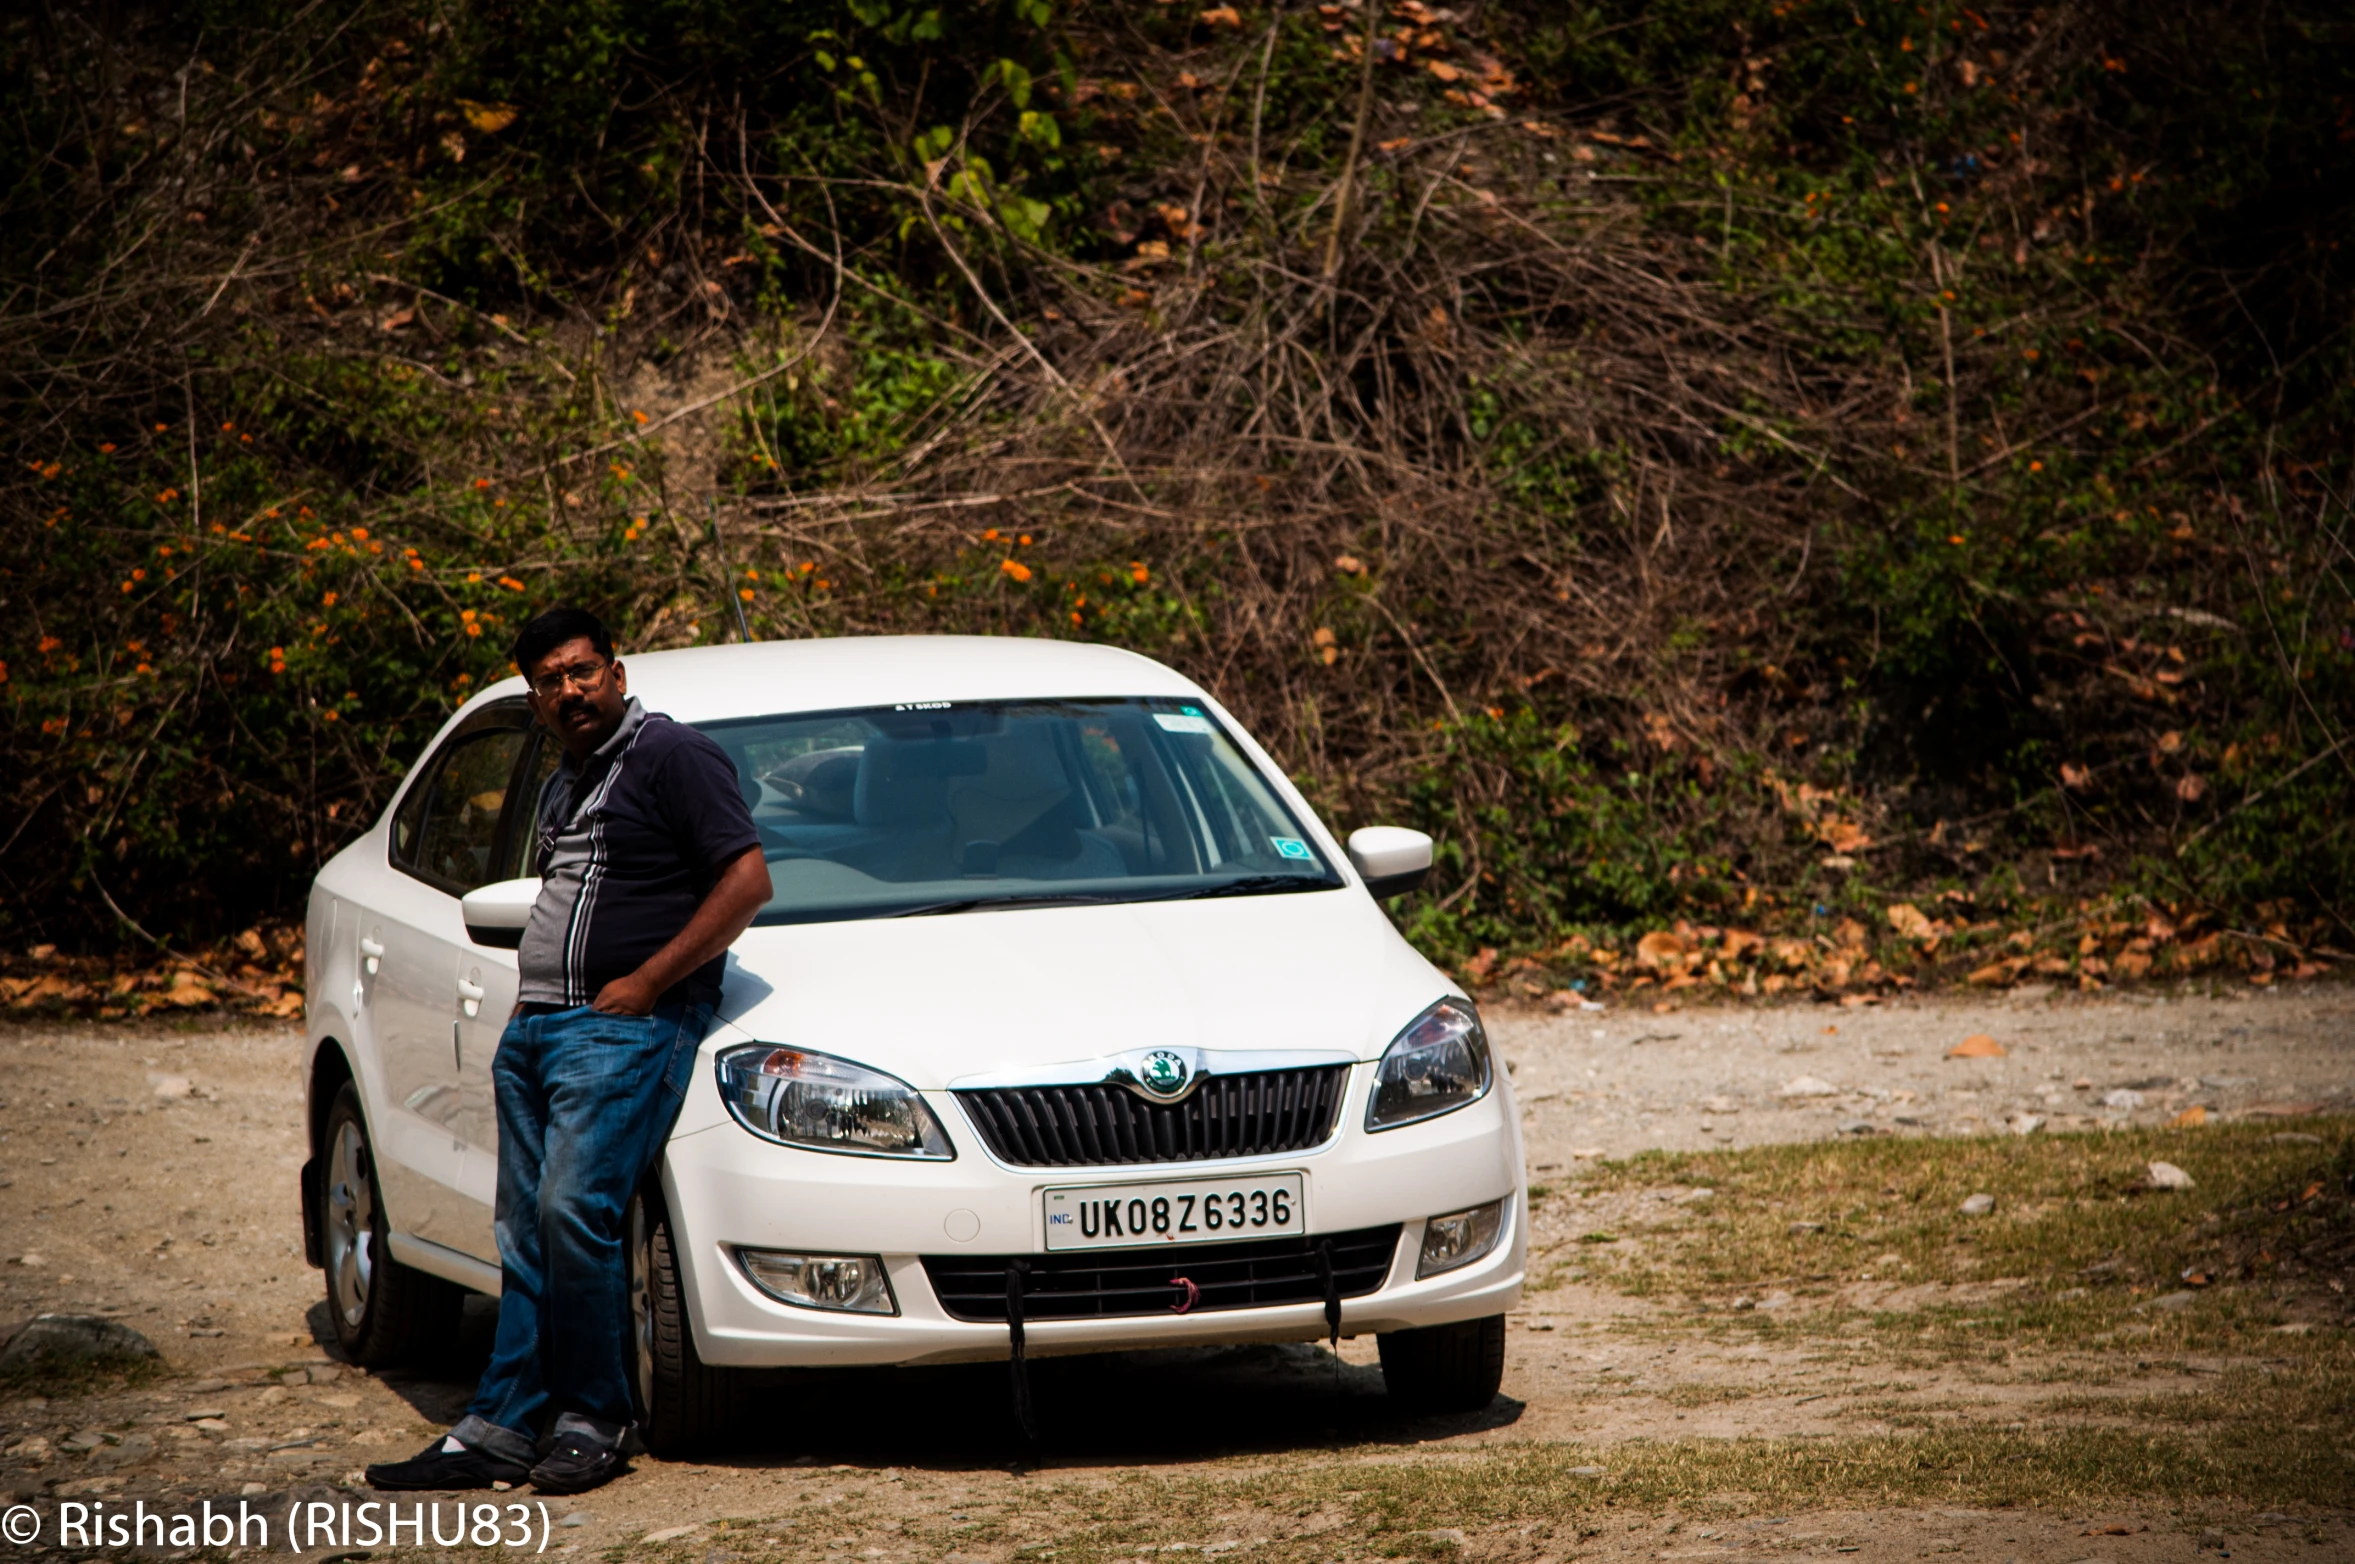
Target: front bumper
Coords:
[[727, 1188]]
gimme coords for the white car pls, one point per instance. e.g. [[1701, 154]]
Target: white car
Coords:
[[1068, 1029]]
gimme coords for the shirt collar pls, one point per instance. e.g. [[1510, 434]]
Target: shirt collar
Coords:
[[633, 717]]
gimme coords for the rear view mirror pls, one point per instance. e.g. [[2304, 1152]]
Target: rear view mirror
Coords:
[[496, 913], [1391, 859]]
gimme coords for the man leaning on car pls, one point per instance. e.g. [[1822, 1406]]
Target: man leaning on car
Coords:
[[650, 867]]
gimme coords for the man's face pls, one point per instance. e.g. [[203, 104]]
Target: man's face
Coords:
[[578, 695]]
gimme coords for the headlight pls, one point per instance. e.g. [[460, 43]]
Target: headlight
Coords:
[[1437, 1065], [1459, 1238], [852, 1282], [822, 1103]]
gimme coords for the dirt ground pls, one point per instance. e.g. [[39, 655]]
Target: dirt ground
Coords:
[[147, 1173]]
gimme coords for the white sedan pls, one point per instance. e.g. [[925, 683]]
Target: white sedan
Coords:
[[1068, 1029]]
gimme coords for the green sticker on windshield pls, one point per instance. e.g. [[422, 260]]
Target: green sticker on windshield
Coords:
[[1292, 847]]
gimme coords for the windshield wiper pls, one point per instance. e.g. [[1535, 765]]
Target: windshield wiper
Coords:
[[975, 903], [1254, 885]]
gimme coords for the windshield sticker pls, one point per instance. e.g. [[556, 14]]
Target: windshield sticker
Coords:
[[1189, 723], [1292, 847]]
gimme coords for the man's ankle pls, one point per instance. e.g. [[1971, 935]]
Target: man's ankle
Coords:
[[480, 1433], [597, 1431]]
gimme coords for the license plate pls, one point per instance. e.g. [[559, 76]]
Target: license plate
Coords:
[[1189, 1211]]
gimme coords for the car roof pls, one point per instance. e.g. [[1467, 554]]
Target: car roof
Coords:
[[713, 683]]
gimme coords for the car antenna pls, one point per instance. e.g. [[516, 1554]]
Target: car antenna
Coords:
[[743, 630]]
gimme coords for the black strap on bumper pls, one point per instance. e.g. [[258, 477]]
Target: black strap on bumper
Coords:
[[1016, 1271], [1332, 1293]]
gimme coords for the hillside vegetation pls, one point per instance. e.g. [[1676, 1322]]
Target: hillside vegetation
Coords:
[[1858, 491]]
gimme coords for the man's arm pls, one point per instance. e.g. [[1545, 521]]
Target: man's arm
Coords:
[[727, 912]]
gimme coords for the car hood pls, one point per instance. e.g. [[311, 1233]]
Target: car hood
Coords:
[[937, 999]]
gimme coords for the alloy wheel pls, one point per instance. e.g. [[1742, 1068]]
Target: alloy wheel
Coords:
[[351, 1223]]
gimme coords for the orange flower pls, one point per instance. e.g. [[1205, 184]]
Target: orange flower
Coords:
[[744, 593], [639, 416], [1015, 568], [989, 535], [1138, 573], [359, 534], [473, 578], [106, 449]]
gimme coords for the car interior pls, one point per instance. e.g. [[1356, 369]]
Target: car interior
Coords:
[[851, 806]]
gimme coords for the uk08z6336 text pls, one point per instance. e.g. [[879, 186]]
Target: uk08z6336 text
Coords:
[[1191, 1211]]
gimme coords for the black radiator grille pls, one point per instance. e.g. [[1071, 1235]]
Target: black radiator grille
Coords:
[[1261, 1114], [1101, 1284]]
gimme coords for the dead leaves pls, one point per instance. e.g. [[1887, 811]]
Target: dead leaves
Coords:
[[1911, 922], [258, 972], [2093, 944]]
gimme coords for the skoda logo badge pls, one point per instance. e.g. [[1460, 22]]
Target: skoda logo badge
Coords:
[[1163, 1073]]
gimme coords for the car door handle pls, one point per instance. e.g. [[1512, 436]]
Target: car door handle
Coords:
[[472, 994], [372, 954]]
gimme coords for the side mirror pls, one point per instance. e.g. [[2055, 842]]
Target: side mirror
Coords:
[[1391, 859], [495, 914]]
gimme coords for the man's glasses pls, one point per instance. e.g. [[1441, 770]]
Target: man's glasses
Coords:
[[586, 676]]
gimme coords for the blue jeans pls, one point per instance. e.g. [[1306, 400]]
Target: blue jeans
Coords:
[[586, 1101]]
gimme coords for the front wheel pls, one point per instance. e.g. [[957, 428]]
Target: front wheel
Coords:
[[682, 1401], [384, 1312], [1445, 1368]]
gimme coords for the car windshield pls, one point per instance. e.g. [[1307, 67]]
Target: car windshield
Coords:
[[964, 806]]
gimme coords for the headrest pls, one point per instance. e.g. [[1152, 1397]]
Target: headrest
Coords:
[[901, 784]]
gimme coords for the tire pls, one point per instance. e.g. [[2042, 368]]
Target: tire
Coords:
[[383, 1312], [682, 1401], [1445, 1368]]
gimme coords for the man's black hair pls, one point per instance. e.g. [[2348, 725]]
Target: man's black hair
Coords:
[[548, 631]]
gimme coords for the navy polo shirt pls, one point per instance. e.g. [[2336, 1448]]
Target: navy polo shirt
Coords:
[[630, 843]]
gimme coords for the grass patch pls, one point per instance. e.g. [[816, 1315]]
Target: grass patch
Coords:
[[1305, 1510], [2076, 1238], [57, 1377]]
